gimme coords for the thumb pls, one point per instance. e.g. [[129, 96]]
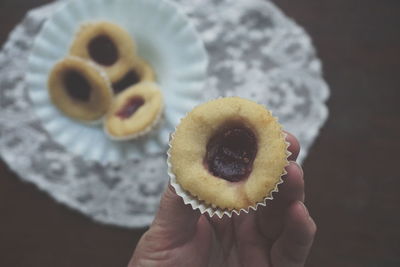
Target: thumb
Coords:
[[174, 218], [174, 224]]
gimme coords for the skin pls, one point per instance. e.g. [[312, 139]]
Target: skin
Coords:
[[278, 235]]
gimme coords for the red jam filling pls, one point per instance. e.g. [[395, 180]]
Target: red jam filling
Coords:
[[103, 50], [77, 86], [131, 106], [128, 80], [231, 153]]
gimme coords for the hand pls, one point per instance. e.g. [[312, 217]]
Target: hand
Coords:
[[278, 235]]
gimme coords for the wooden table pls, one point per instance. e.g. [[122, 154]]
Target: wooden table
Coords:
[[351, 178]]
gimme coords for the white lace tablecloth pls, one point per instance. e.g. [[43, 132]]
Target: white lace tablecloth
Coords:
[[255, 52]]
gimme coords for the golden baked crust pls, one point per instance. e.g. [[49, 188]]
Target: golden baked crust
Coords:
[[121, 43], [87, 106], [145, 70], [139, 71], [189, 149], [142, 120]]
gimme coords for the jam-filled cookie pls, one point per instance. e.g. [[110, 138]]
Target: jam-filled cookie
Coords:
[[229, 153], [140, 71], [80, 89], [106, 44], [134, 112]]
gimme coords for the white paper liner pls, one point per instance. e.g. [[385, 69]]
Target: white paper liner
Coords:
[[175, 52], [203, 207]]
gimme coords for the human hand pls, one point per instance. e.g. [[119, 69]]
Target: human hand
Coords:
[[278, 235]]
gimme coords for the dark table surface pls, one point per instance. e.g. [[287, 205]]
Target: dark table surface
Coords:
[[351, 179]]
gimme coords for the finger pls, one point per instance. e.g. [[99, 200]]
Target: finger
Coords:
[[294, 147], [174, 217], [270, 218], [292, 188], [220, 224], [175, 224], [238, 226], [223, 229], [250, 243], [293, 246]]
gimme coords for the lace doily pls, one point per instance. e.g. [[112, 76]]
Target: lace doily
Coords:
[[255, 51]]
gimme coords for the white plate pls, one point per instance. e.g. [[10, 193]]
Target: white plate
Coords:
[[164, 37]]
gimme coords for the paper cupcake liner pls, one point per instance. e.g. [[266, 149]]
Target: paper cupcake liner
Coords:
[[203, 207]]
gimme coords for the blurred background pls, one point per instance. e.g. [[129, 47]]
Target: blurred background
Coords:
[[352, 185]]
